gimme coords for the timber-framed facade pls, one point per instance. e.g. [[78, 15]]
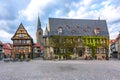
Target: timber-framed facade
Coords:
[[22, 44]]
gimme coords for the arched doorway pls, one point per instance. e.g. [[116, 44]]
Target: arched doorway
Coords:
[[80, 51]]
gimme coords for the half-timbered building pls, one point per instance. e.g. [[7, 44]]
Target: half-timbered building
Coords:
[[22, 44]]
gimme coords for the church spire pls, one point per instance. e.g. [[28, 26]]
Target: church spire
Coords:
[[38, 24]]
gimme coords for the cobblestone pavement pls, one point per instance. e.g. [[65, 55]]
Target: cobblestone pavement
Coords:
[[60, 70]]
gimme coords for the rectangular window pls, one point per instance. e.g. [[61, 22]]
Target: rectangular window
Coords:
[[64, 50], [56, 50], [97, 50], [102, 50], [21, 48], [61, 50], [20, 41], [89, 50], [26, 48], [21, 35], [15, 41], [16, 47], [23, 42], [28, 41]]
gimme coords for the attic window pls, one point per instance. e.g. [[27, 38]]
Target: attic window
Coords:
[[60, 30], [97, 31], [21, 35]]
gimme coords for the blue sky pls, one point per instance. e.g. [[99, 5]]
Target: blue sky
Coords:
[[13, 12]]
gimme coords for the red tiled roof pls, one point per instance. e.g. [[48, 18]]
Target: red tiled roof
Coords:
[[112, 41], [39, 46], [7, 48]]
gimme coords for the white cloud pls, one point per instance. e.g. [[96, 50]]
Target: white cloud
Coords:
[[106, 10], [114, 30], [82, 9], [4, 24], [58, 12], [87, 2], [5, 36], [3, 10], [31, 32], [35, 7], [110, 12], [113, 35]]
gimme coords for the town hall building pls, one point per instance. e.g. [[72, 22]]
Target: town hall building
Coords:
[[76, 39]]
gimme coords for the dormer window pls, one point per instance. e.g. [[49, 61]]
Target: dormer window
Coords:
[[60, 30], [97, 31]]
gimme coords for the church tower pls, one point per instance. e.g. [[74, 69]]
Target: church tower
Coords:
[[39, 33]]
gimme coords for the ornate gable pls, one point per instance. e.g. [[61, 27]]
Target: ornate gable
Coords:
[[21, 33]]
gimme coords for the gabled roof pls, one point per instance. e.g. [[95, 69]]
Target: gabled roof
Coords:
[[21, 27], [7, 46], [39, 46], [77, 27]]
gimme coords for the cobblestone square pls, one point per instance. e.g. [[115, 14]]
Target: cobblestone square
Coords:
[[60, 70]]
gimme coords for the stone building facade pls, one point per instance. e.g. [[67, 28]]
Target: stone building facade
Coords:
[[76, 39], [118, 39]]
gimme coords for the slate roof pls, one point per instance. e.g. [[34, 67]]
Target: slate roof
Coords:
[[77, 27], [39, 24]]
